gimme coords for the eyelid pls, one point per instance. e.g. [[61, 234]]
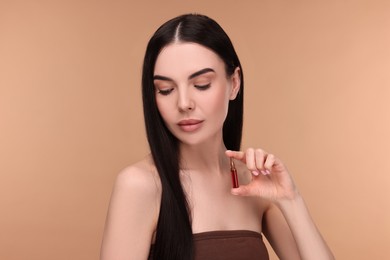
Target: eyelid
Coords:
[[163, 88], [203, 87], [204, 79], [165, 91]]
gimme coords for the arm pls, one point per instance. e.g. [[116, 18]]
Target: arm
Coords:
[[287, 223], [278, 233], [132, 216], [309, 241]]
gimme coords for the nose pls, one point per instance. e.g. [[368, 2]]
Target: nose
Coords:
[[185, 102]]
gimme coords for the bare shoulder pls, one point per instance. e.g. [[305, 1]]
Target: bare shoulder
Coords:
[[141, 177], [133, 212]]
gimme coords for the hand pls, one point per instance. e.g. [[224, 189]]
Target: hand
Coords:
[[270, 178]]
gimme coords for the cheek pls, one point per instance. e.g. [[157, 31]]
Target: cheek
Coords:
[[218, 103], [163, 109]]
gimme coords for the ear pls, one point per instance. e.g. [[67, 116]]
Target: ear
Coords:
[[236, 83]]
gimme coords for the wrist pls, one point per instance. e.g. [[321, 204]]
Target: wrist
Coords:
[[289, 201]]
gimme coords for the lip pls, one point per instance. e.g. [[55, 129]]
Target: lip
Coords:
[[190, 125]]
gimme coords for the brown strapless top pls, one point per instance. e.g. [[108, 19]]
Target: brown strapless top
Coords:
[[229, 245]]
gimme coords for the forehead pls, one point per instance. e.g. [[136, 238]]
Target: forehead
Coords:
[[182, 59]]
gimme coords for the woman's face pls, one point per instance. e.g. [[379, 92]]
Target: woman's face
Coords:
[[193, 91]]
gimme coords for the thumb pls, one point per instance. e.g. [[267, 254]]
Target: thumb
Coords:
[[243, 190]]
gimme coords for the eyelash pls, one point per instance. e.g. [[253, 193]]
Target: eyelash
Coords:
[[202, 87], [166, 92]]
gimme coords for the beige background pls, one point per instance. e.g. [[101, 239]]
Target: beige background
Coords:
[[317, 94]]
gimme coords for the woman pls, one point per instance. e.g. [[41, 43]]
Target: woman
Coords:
[[178, 203]]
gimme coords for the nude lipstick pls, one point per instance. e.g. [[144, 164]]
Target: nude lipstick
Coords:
[[233, 171], [190, 125]]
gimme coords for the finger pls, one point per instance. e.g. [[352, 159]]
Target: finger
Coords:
[[260, 157], [269, 163], [251, 161], [239, 155]]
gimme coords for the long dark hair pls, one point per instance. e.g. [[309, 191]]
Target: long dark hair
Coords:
[[174, 232]]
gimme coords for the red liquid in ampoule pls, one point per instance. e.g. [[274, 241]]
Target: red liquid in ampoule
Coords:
[[234, 174]]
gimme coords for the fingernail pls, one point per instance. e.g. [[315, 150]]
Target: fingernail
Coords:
[[256, 173], [265, 172]]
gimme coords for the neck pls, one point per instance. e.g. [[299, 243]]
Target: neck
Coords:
[[207, 158]]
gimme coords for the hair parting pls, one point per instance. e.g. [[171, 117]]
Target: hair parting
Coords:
[[174, 232]]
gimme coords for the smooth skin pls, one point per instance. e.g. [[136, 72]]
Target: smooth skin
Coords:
[[191, 84]]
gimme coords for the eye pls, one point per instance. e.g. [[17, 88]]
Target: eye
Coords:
[[202, 87], [165, 92]]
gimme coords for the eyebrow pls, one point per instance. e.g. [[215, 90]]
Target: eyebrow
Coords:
[[193, 75]]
